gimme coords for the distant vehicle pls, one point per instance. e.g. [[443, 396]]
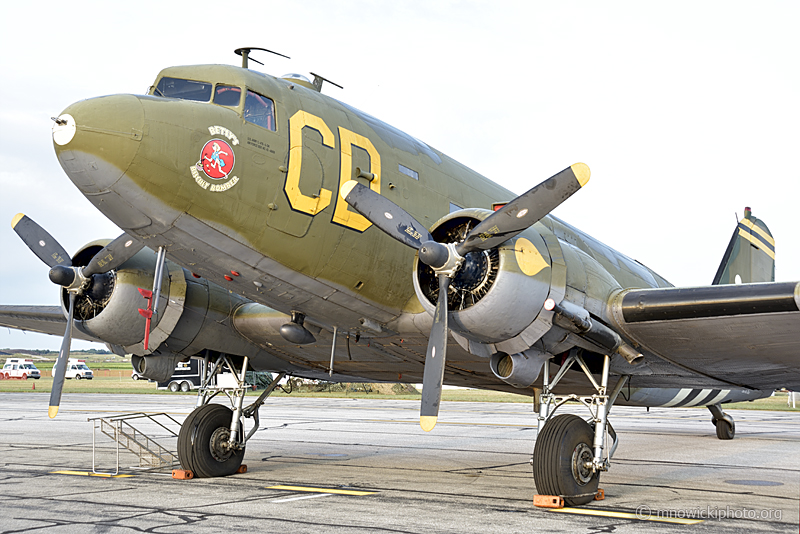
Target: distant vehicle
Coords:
[[19, 368], [136, 375], [185, 378], [78, 369]]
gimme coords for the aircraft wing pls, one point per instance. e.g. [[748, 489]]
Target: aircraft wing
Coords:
[[747, 335], [41, 319]]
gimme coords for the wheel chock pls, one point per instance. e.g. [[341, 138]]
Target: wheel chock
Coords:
[[548, 501], [600, 495], [242, 469], [182, 474]]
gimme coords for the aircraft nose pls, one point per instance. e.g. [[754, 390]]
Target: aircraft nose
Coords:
[[97, 139]]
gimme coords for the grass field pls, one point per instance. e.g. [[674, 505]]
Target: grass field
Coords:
[[119, 381]]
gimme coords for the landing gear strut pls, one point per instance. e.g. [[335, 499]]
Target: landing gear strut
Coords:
[[571, 452], [211, 442], [726, 428]]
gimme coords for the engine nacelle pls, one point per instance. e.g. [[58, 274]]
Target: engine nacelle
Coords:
[[497, 294], [193, 314]]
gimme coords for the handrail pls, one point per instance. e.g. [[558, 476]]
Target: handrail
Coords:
[[119, 429]]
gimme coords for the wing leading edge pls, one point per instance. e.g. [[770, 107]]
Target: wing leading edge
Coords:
[[41, 319], [747, 334]]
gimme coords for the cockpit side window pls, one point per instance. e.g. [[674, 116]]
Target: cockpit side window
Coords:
[[226, 95], [183, 89], [259, 110]]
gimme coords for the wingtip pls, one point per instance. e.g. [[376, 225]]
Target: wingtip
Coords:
[[17, 218], [427, 422], [52, 411], [582, 173], [347, 187]]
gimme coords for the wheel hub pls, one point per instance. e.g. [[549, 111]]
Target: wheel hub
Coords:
[[219, 444], [581, 464]]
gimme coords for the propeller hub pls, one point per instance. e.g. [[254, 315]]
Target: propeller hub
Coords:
[[70, 278], [442, 258], [433, 254], [62, 275]]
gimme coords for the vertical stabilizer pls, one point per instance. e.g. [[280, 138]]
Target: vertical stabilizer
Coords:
[[750, 256]]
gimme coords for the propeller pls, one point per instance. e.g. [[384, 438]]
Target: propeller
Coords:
[[74, 279], [446, 258]]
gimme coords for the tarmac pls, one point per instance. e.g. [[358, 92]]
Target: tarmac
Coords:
[[358, 466]]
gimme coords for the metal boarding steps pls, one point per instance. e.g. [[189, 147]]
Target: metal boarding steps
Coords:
[[152, 455]]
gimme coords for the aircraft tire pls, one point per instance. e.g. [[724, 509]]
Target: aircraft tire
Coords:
[[564, 443], [207, 426], [185, 442], [725, 429]]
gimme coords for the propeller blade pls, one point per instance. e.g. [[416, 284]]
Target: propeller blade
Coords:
[[434, 361], [60, 368], [525, 210], [385, 214], [113, 255], [40, 242]]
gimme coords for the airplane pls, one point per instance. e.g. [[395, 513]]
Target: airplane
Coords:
[[270, 227]]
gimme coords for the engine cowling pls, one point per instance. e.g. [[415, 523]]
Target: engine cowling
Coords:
[[498, 294], [108, 309]]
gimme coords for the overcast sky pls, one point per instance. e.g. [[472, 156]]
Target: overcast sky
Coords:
[[685, 111]]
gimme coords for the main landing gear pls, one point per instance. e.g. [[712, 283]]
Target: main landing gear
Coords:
[[726, 428], [212, 442], [570, 452]]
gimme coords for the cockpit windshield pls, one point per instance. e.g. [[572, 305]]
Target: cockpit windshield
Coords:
[[184, 89], [258, 109], [227, 95]]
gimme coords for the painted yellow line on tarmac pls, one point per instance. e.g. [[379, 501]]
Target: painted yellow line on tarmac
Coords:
[[323, 490], [88, 474], [626, 515]]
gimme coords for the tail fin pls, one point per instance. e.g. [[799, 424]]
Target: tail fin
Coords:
[[750, 256]]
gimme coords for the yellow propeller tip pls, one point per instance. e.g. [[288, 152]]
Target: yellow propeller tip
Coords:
[[52, 411], [427, 422], [347, 187], [581, 172], [17, 218]]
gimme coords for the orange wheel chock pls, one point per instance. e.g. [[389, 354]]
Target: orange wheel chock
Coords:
[[182, 474], [548, 501], [242, 469], [600, 495]]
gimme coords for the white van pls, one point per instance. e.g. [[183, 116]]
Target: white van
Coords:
[[19, 368], [78, 369]]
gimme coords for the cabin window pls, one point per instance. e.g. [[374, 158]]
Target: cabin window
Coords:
[[183, 89], [408, 172], [227, 95], [259, 110]]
